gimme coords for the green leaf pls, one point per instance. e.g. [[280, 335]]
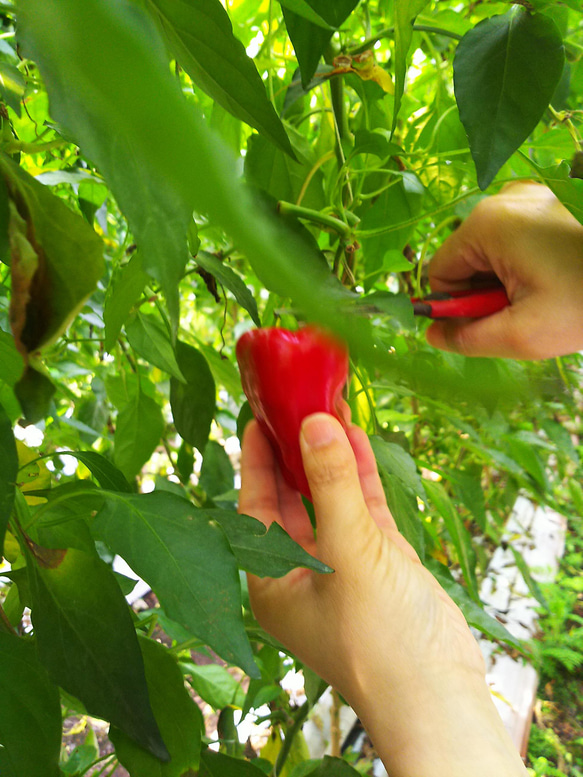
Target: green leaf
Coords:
[[405, 13], [333, 767], [527, 457], [123, 293], [400, 202], [310, 40], [35, 392], [220, 765], [214, 684], [531, 583], [47, 243], [217, 474], [149, 338], [561, 436], [304, 9], [459, 535], [402, 486], [178, 718], [473, 613], [281, 177], [11, 364], [30, 713], [505, 73], [468, 489], [264, 552], [194, 402], [86, 640], [140, 425], [228, 278], [145, 166], [12, 85], [178, 163], [186, 559], [201, 38], [568, 190], [107, 475], [8, 473]]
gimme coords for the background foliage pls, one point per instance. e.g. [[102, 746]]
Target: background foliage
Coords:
[[173, 173]]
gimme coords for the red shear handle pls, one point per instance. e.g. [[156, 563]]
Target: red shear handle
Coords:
[[464, 304]]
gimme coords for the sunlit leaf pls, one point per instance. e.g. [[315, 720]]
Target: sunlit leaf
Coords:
[[201, 38], [505, 72]]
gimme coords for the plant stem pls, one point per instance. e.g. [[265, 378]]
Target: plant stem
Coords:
[[335, 734], [389, 32], [16, 146], [288, 208], [299, 717], [5, 624], [428, 214]]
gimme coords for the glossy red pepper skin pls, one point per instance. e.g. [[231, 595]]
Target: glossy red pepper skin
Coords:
[[287, 376]]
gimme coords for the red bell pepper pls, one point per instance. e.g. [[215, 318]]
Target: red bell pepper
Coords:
[[287, 376]]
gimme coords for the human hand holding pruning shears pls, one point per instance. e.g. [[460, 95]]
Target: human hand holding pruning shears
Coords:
[[526, 240]]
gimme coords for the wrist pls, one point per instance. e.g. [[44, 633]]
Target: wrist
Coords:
[[440, 726]]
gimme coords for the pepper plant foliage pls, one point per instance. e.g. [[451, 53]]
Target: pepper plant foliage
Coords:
[[172, 173]]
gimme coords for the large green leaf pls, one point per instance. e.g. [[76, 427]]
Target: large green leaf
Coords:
[[309, 39], [505, 73], [185, 557], [402, 486], [47, 241], [81, 49], [8, 473], [140, 425], [201, 38], [405, 13], [178, 718], [30, 713], [194, 402], [459, 535], [263, 552], [87, 641]]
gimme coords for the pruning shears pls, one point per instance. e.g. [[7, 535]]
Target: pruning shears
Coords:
[[470, 303]]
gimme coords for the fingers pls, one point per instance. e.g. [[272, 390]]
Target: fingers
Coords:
[[259, 493], [332, 473], [370, 482]]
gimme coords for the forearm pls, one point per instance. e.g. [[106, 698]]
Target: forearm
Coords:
[[445, 728]]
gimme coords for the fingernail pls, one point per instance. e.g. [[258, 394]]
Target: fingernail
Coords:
[[318, 430]]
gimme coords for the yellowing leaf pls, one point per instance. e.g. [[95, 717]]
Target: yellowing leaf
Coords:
[[33, 474]]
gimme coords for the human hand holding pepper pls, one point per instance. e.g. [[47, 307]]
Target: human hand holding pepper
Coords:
[[528, 240], [380, 628]]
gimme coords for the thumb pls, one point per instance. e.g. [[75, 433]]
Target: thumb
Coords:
[[332, 472]]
